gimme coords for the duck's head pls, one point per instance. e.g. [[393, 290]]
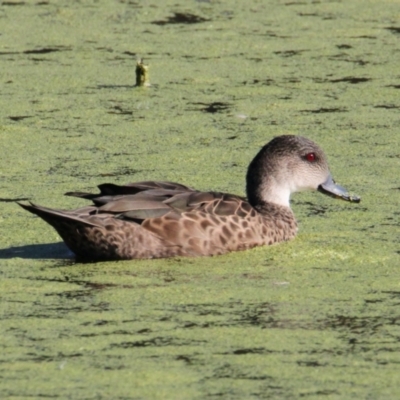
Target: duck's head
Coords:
[[289, 164]]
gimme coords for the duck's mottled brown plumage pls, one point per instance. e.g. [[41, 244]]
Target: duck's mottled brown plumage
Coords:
[[165, 219]]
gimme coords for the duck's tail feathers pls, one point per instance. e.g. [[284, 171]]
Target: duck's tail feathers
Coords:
[[52, 216]]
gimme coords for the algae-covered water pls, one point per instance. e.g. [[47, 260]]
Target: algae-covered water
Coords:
[[317, 317]]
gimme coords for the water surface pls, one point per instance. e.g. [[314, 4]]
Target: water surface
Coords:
[[314, 318]]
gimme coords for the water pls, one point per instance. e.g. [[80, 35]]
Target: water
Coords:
[[314, 318]]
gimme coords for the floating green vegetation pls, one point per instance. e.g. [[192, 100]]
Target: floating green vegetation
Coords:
[[316, 317]]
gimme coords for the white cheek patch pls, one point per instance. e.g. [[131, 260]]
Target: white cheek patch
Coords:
[[277, 194]]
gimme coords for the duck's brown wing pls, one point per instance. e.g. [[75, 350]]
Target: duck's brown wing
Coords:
[[151, 219]]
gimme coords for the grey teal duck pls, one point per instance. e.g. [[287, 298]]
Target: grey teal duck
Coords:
[[164, 219]]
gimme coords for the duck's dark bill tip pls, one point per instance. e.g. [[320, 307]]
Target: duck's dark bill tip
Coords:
[[354, 199]]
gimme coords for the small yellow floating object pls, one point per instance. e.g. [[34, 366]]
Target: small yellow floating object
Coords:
[[142, 74]]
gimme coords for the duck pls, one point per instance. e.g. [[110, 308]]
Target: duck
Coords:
[[159, 219]]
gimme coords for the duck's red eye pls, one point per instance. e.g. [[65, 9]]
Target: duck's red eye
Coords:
[[310, 157]]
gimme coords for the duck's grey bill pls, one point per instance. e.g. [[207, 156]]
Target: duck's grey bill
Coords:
[[330, 188]]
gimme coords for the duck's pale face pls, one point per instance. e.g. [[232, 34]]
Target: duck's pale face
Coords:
[[295, 172]]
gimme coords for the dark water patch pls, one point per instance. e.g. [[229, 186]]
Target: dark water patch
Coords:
[[214, 107], [320, 393], [229, 314], [323, 110], [314, 209], [181, 18], [345, 58], [233, 372], [311, 363], [88, 290], [144, 331], [20, 117], [364, 37], [45, 50], [13, 3], [119, 111], [43, 358], [102, 286], [358, 325], [359, 62], [273, 34], [293, 80], [350, 79], [289, 53], [393, 294], [100, 322], [59, 312], [264, 316], [257, 350], [267, 82], [374, 301], [115, 332], [186, 359], [324, 17], [257, 315], [42, 60], [69, 294], [107, 49], [192, 57], [123, 154], [82, 301], [130, 53], [344, 46], [209, 58], [295, 3], [394, 29], [158, 342], [387, 106]]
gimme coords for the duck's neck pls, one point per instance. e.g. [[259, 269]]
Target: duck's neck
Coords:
[[264, 183], [273, 193], [266, 191]]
